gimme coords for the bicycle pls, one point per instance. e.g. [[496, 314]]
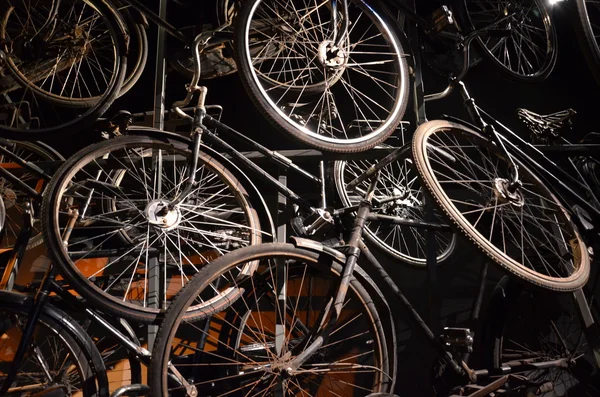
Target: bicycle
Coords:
[[583, 13], [336, 75], [235, 292], [303, 322]]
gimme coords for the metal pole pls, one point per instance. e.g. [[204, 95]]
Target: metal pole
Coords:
[[154, 283]]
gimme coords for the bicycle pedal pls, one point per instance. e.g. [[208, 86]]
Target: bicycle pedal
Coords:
[[441, 19], [458, 339]]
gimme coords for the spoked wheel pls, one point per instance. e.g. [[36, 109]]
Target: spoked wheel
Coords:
[[539, 327], [528, 53], [56, 359], [249, 344], [108, 222], [398, 193], [58, 70], [587, 27], [13, 195], [342, 98], [525, 229]]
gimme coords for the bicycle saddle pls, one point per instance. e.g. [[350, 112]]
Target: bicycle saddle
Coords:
[[547, 127]]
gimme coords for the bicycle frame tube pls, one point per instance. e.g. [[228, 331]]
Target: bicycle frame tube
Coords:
[[408, 10], [538, 154], [277, 158], [141, 354]]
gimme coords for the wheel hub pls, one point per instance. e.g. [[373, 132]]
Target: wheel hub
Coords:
[[402, 205], [332, 56], [505, 195], [158, 214]]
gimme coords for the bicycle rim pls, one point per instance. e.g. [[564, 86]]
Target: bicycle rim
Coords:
[[243, 331], [117, 188], [345, 99]]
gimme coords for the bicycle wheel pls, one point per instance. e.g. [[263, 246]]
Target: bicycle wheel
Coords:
[[107, 222], [532, 332], [399, 194], [13, 195], [58, 73], [58, 357], [527, 232], [248, 344], [342, 99], [587, 28], [529, 53]]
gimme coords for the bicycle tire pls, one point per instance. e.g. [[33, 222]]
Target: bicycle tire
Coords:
[[335, 102], [522, 329], [115, 283], [459, 182], [31, 112], [174, 316], [585, 13], [499, 50], [398, 178], [65, 331], [137, 51]]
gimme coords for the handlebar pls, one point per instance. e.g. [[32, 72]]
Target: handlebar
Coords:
[[201, 40], [465, 42]]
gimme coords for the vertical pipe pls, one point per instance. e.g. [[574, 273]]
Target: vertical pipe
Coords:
[[159, 123]]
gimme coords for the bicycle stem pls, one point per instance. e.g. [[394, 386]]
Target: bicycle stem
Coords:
[[465, 42]]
